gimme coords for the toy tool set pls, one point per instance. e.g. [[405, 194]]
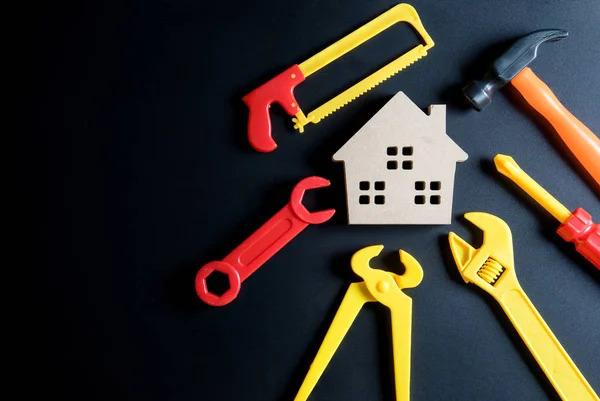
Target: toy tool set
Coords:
[[400, 169]]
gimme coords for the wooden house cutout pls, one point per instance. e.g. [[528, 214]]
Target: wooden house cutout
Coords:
[[400, 166]]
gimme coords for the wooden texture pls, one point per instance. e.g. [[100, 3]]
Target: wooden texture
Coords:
[[400, 166]]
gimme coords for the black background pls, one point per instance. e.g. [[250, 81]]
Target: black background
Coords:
[[139, 172]]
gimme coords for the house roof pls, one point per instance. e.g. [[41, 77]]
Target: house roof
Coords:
[[401, 118]]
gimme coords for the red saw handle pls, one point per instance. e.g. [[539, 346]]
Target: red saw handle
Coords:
[[278, 90], [578, 138]]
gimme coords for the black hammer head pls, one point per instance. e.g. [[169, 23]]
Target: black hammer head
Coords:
[[508, 65]]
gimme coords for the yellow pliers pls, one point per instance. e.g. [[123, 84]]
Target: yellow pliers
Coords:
[[492, 269], [382, 287]]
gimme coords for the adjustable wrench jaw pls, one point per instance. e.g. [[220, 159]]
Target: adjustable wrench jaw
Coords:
[[386, 287], [491, 267], [300, 210]]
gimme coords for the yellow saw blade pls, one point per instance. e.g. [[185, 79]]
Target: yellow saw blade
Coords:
[[399, 13]]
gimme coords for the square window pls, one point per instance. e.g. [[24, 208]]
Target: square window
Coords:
[[379, 200], [435, 185], [364, 185], [364, 199], [392, 165], [407, 151], [407, 165], [392, 151], [420, 185], [435, 199], [379, 185], [419, 200]]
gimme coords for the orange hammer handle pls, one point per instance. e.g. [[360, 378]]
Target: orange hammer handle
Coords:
[[584, 144]]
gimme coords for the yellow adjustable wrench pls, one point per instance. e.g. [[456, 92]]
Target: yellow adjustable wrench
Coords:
[[492, 269], [383, 287]]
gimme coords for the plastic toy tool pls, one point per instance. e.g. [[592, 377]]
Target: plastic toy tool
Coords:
[[263, 244], [492, 269], [512, 66], [576, 227], [382, 287], [281, 88]]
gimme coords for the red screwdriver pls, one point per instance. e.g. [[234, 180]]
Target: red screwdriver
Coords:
[[576, 227]]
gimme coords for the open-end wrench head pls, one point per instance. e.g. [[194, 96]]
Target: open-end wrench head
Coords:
[[202, 287], [300, 210]]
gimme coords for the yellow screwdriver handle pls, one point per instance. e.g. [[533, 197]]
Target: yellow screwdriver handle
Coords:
[[548, 352], [507, 166]]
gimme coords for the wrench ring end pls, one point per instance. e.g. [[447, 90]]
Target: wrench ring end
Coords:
[[202, 288]]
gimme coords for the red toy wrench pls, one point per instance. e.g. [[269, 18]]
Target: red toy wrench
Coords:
[[264, 243]]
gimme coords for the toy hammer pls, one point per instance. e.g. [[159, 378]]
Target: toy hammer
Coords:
[[511, 67]]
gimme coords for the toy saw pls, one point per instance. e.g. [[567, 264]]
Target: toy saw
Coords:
[[281, 88]]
